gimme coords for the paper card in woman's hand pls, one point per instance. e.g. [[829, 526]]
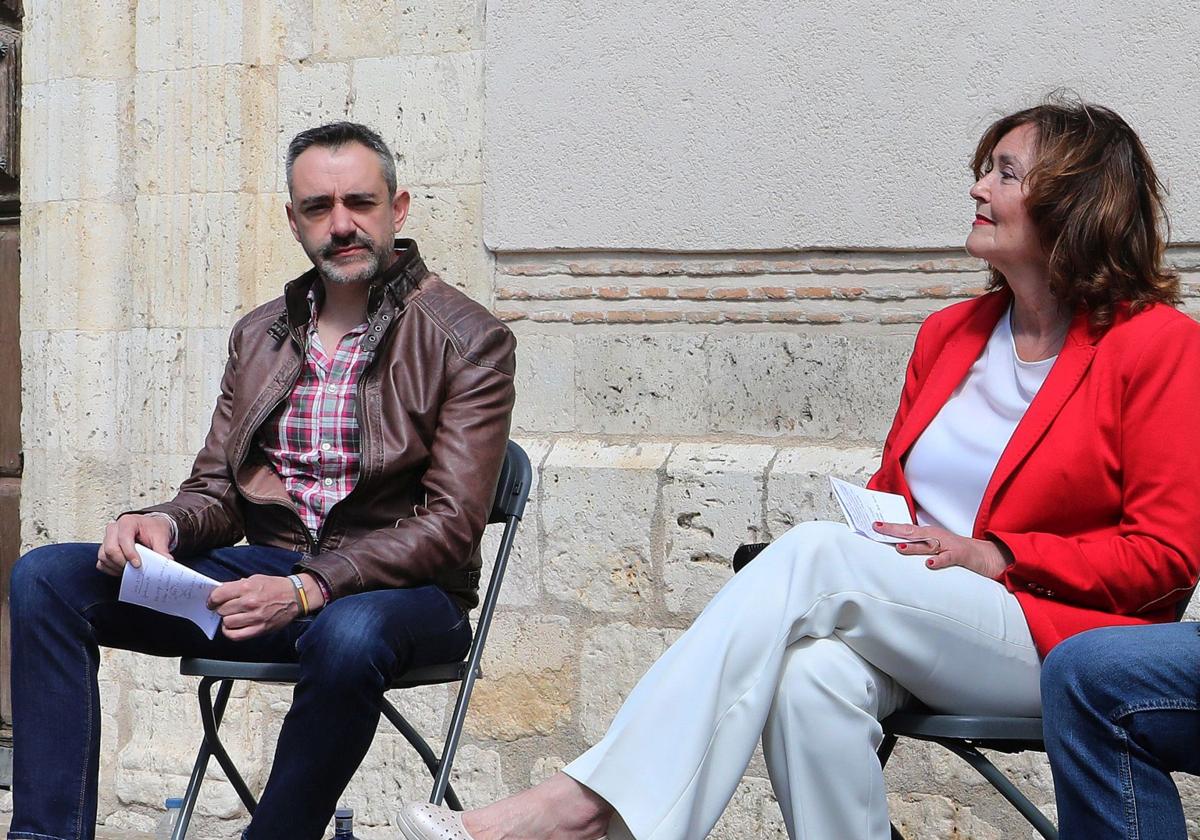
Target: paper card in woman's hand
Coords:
[[862, 508]]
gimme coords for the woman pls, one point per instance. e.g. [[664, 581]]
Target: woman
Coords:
[[1046, 445]]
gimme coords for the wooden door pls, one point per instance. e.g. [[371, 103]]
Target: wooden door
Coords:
[[11, 461]]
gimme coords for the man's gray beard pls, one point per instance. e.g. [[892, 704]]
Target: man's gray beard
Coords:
[[331, 273]]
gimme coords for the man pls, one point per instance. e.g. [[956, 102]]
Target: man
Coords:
[[1121, 711], [356, 442]]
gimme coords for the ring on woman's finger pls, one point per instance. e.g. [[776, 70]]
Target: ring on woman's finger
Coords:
[[936, 545]]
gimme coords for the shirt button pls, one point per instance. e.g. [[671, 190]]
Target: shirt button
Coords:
[[326, 446], [328, 482], [331, 388]]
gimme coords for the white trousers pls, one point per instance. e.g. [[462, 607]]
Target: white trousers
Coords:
[[807, 648]]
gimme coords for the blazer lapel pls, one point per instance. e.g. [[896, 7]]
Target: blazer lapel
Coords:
[[1073, 361], [950, 368]]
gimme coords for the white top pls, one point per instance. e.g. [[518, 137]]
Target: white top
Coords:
[[949, 466]]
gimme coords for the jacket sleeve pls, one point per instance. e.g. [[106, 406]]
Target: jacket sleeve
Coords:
[[465, 458], [206, 510], [1151, 558]]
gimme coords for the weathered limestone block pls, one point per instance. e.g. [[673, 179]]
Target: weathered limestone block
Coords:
[[545, 382], [545, 767], [190, 33], [205, 129], [816, 384], [67, 496], [636, 383], [186, 264], [277, 31], [361, 28], [529, 678], [597, 504], [269, 255], [429, 109], [614, 658], [712, 502], [446, 223], [309, 95], [77, 402], [752, 812], [82, 287], [523, 575], [92, 38], [151, 363], [204, 364], [157, 758], [77, 140], [928, 817], [798, 487]]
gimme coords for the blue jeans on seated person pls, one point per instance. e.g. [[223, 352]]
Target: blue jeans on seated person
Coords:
[[63, 609], [1121, 710]]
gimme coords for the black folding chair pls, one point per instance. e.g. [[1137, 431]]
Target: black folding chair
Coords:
[[965, 735], [512, 491]]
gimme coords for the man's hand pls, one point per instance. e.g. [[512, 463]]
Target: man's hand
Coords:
[[260, 604], [948, 549], [154, 532]]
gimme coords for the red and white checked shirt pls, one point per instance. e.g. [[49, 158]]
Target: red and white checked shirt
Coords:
[[313, 440]]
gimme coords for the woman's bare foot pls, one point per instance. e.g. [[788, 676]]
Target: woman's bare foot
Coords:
[[558, 809]]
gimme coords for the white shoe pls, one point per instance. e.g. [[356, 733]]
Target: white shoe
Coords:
[[422, 821]]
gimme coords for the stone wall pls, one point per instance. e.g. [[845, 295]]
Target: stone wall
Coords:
[[675, 401]]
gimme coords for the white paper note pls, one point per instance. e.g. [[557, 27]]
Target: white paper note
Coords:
[[862, 508], [172, 588]]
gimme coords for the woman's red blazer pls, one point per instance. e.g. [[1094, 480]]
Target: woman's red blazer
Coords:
[[1097, 495]]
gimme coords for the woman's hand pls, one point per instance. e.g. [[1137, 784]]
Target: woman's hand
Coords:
[[944, 548]]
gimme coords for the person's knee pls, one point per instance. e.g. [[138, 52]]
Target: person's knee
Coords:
[[40, 572], [1080, 661], [344, 647], [822, 673]]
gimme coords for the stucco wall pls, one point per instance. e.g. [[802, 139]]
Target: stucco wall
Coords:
[[764, 124], [706, 327]]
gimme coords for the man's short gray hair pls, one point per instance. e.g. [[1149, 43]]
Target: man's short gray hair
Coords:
[[336, 134]]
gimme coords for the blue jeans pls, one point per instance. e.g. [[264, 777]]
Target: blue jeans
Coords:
[[63, 609], [1121, 709]]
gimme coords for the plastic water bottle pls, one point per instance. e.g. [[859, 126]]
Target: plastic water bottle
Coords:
[[343, 824], [166, 823]]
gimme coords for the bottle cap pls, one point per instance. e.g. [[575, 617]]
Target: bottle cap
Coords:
[[343, 814], [174, 802]]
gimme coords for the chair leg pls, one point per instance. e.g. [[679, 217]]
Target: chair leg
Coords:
[[202, 755], [1005, 787], [422, 747], [211, 722]]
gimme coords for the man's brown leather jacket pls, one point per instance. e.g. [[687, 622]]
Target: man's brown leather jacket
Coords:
[[433, 410]]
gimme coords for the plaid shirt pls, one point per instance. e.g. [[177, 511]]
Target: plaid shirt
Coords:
[[312, 440]]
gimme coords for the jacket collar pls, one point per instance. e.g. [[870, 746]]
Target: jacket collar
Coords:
[[954, 361], [388, 295]]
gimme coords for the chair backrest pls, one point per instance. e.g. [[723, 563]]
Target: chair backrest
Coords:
[[512, 488]]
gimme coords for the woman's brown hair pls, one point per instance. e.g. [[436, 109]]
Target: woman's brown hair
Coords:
[[1097, 204]]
